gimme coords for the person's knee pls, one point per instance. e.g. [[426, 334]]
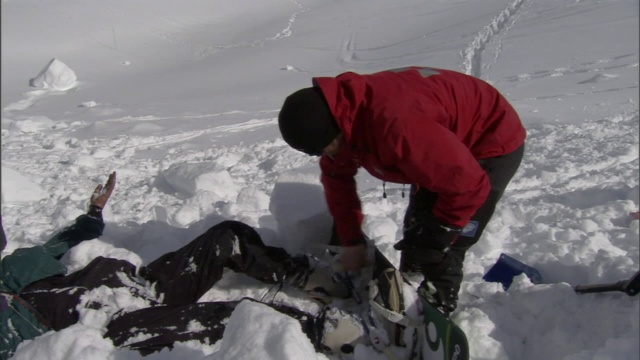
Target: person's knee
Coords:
[[421, 260], [231, 231], [226, 225]]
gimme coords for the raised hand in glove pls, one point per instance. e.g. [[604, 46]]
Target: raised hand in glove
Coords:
[[102, 193]]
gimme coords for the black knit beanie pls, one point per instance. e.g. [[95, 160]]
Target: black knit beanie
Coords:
[[306, 123]]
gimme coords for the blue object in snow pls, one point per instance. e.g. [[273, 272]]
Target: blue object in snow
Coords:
[[506, 268]]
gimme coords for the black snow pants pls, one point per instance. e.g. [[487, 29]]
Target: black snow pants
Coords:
[[180, 278], [165, 325], [444, 270]]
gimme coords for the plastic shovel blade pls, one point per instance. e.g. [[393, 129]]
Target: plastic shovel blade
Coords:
[[506, 268]]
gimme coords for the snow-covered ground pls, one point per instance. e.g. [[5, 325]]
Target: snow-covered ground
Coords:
[[181, 99]]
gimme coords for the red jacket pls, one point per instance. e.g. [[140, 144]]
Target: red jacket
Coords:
[[419, 126]]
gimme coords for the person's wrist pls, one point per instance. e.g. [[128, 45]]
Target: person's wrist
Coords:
[[95, 211]]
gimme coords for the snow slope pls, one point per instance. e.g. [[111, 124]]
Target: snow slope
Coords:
[[181, 99]]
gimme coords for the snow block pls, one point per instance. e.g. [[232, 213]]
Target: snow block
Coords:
[[33, 124], [56, 76], [506, 268], [288, 342], [299, 207], [188, 179], [18, 189]]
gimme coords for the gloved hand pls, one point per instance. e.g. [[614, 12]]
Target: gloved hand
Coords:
[[102, 193], [100, 197], [429, 233]]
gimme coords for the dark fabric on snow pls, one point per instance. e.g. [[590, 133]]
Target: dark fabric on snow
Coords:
[[183, 276], [180, 278], [165, 325], [56, 297], [27, 265]]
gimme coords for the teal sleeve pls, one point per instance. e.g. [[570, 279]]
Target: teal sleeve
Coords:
[[27, 265]]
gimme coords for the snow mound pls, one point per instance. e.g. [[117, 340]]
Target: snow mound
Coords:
[[82, 254], [56, 76], [189, 179], [75, 342], [33, 124], [18, 189], [288, 342]]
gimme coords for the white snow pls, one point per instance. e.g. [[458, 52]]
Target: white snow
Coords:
[[181, 99], [17, 188], [258, 322]]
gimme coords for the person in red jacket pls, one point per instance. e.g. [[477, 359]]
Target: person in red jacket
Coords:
[[453, 137]]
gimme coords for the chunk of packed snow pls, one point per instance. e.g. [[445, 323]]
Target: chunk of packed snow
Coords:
[[188, 179], [299, 207], [288, 342], [18, 189], [56, 75]]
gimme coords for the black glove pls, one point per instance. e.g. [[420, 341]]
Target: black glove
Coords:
[[428, 234]]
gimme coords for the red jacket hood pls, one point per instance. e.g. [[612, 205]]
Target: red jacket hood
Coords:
[[344, 97]]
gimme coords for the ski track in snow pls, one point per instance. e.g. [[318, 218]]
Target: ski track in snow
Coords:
[[207, 50], [348, 49], [473, 59], [595, 71], [287, 31]]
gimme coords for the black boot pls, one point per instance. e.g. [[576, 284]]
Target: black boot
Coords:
[[444, 298], [442, 278], [442, 290]]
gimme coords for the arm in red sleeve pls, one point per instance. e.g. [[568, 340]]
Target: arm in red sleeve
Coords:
[[342, 198]]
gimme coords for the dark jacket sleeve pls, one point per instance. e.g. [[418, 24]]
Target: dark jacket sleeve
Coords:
[[86, 227], [27, 265]]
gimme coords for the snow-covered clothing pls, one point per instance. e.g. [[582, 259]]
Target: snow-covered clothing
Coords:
[[38, 296], [19, 320]]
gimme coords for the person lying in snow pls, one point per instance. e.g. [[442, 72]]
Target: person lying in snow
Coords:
[[37, 295]]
